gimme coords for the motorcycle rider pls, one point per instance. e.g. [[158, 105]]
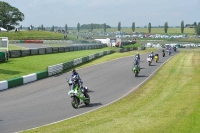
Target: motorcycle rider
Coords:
[[157, 55], [174, 48], [169, 50], [152, 55], [76, 78], [137, 59]]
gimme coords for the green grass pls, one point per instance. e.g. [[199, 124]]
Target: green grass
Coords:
[[189, 40], [12, 47], [35, 35], [30, 64], [132, 45], [169, 102]]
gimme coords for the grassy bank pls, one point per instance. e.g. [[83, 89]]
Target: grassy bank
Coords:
[[30, 64], [170, 105], [35, 35], [186, 40], [12, 47]]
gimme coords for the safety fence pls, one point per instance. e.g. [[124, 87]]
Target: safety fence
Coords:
[[50, 50], [51, 70], [55, 69], [50, 41]]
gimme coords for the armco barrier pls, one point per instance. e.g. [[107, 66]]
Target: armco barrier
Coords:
[[55, 49], [25, 53], [14, 53], [85, 59], [15, 82], [67, 49], [96, 55], [49, 50], [77, 61], [52, 70], [61, 49], [55, 69], [67, 65], [34, 51], [41, 51], [91, 57]]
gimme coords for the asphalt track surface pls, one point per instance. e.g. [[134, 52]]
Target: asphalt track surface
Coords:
[[47, 101]]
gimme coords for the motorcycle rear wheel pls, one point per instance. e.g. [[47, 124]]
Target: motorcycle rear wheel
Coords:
[[87, 100], [149, 63], [75, 102]]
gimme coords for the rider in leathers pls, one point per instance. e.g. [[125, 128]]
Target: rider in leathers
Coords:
[[75, 76]]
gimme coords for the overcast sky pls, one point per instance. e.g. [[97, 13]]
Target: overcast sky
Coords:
[[71, 12]]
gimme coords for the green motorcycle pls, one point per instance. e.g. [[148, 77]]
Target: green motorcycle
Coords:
[[136, 70], [78, 94]]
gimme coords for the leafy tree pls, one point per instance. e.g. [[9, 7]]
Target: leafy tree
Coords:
[[182, 26], [199, 23], [52, 28], [104, 27], [119, 26], [166, 27], [95, 26], [149, 28], [91, 27], [66, 28], [195, 24], [9, 16], [78, 27], [133, 26], [21, 27], [197, 29], [42, 27]]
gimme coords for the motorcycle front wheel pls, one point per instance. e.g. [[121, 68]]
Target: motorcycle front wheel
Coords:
[[136, 74], [75, 102]]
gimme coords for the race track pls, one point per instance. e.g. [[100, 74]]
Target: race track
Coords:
[[46, 101]]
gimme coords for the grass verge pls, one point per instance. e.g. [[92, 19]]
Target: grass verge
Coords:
[[35, 35], [12, 47], [170, 105]]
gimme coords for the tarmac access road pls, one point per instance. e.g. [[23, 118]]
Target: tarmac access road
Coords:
[[47, 101]]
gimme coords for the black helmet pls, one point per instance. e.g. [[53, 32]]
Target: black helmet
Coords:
[[73, 71]]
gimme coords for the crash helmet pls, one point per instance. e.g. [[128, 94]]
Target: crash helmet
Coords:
[[73, 71]]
